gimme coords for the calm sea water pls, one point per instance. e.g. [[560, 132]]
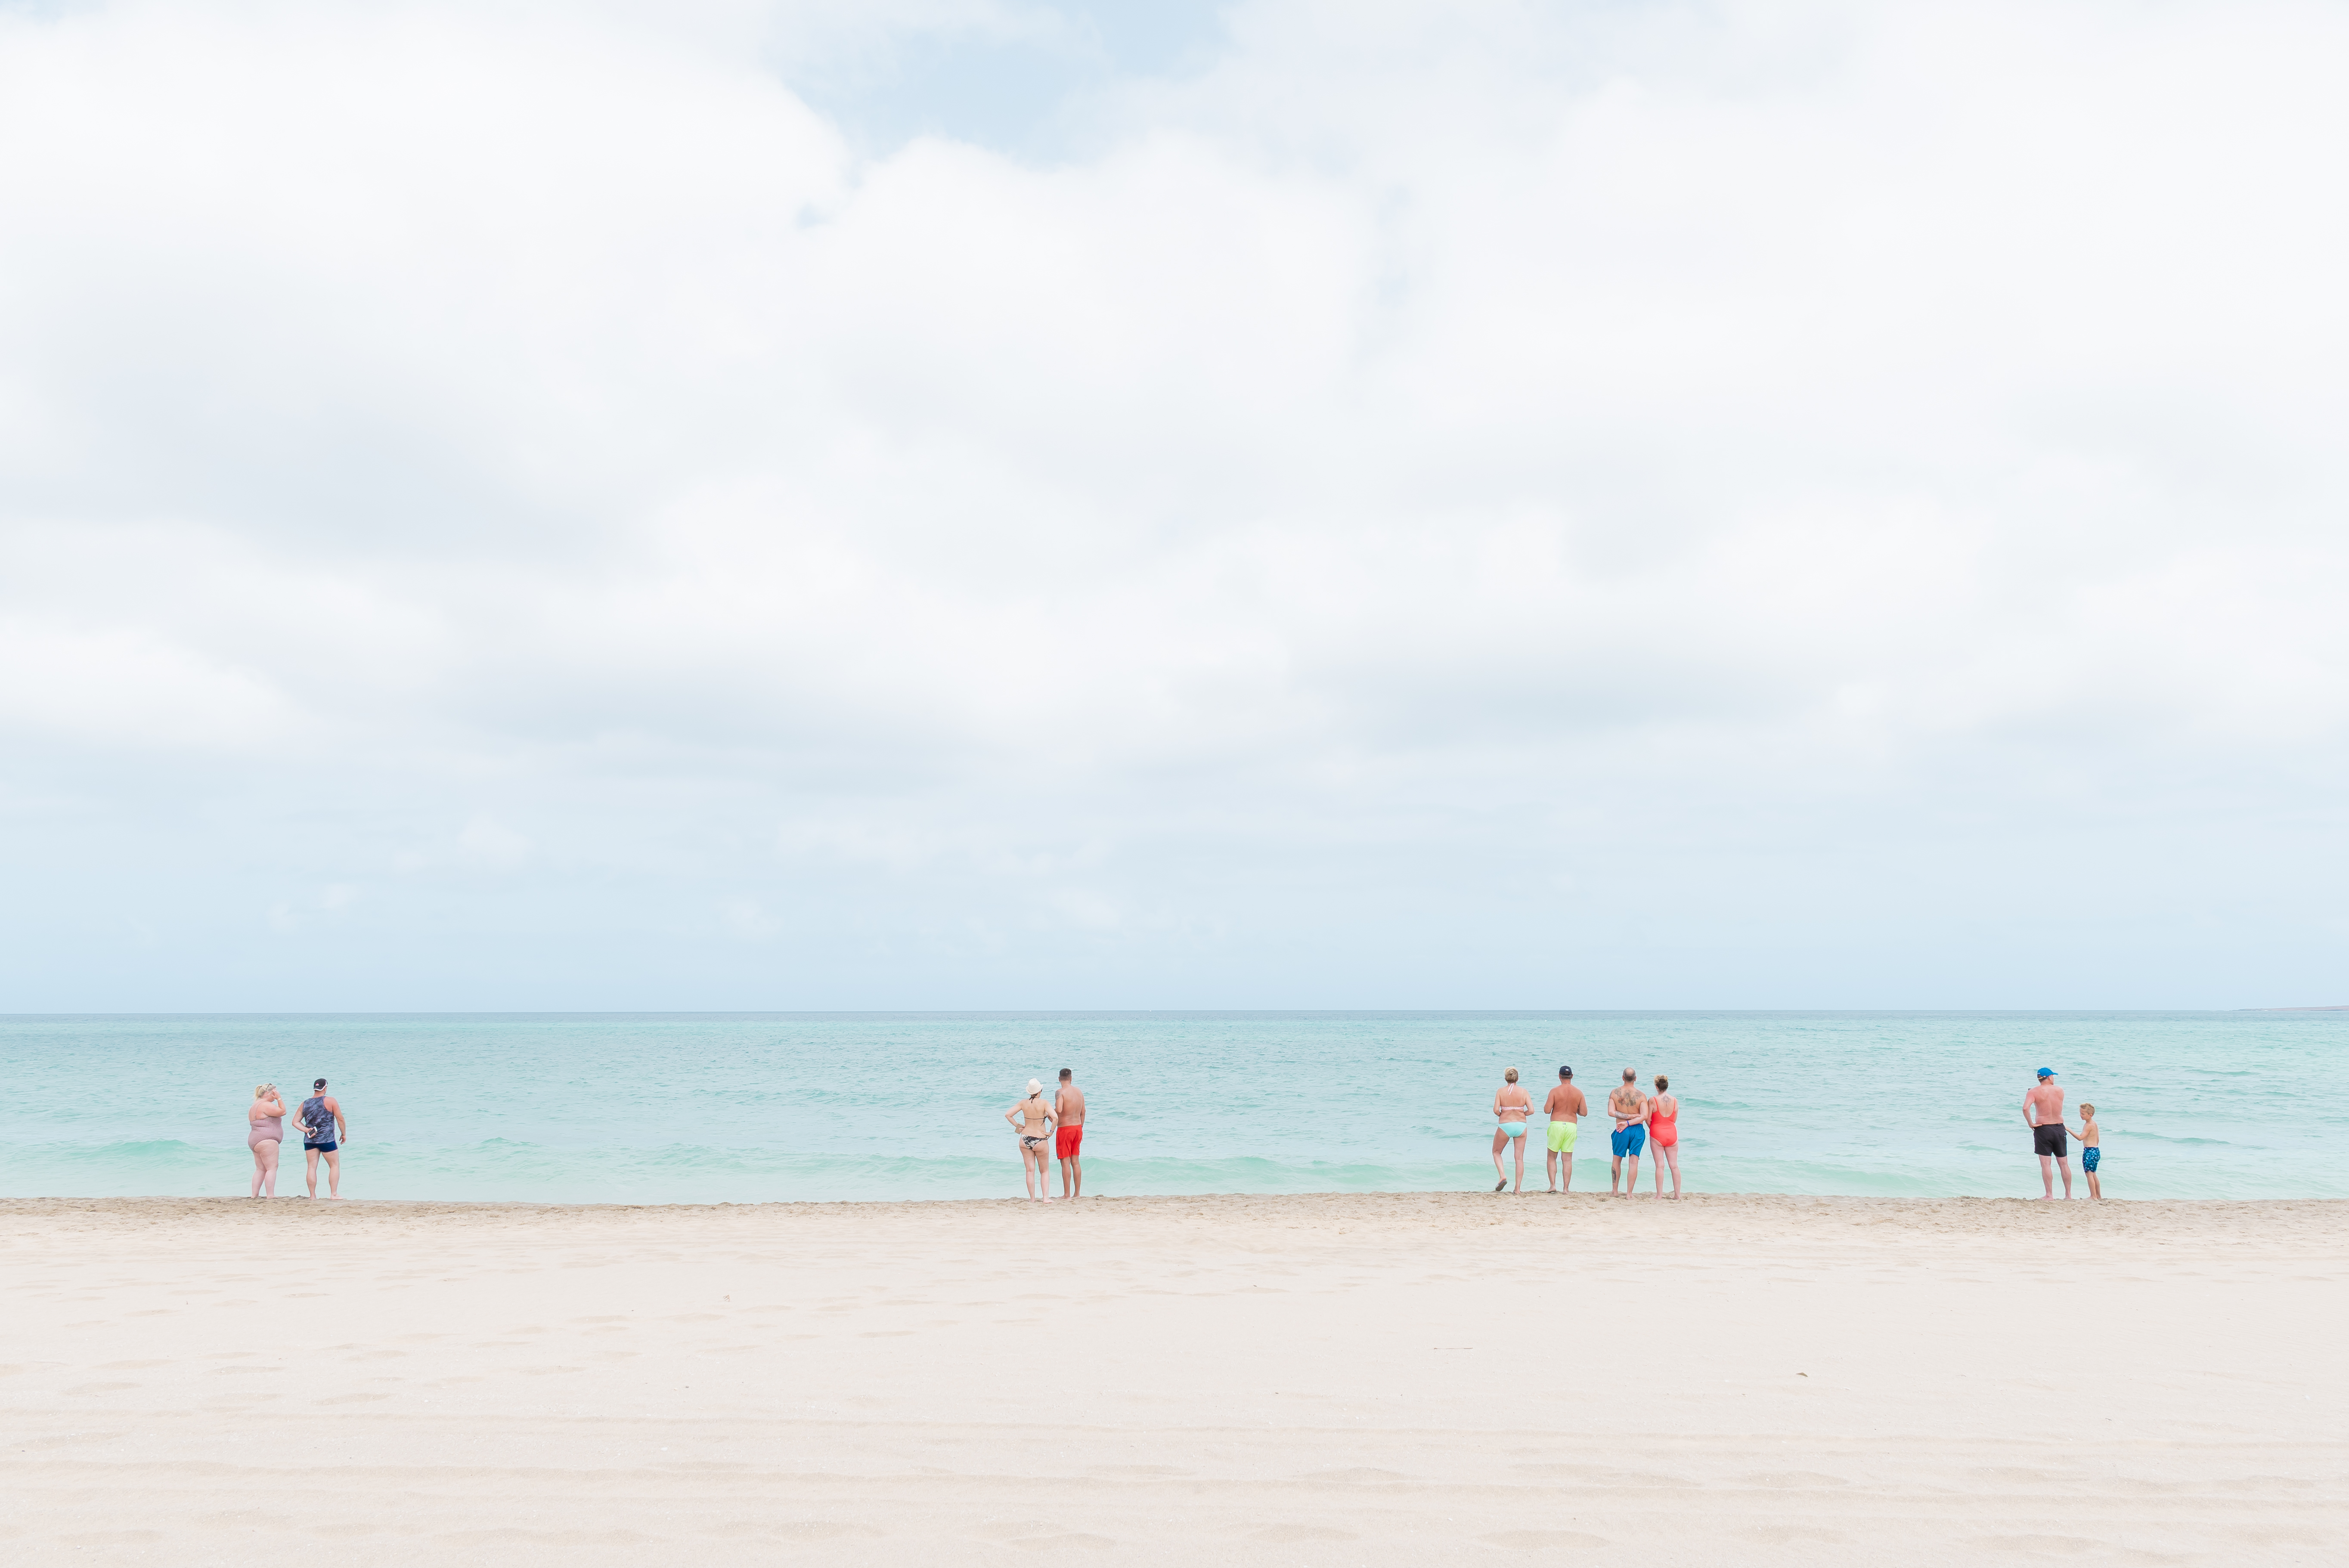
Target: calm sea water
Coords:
[[708, 1108]]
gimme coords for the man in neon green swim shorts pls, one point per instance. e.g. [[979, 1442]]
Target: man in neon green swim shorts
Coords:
[[1563, 1106]]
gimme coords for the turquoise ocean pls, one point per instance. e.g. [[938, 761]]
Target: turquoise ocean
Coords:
[[744, 1107]]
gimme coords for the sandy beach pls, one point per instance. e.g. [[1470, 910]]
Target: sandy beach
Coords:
[[1309, 1379]]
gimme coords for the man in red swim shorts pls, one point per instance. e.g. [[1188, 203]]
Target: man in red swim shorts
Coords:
[[1069, 1109]]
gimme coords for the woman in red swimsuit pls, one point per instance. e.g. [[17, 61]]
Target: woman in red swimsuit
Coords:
[[1664, 1135]]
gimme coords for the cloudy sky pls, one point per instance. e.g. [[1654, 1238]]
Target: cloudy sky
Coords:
[[940, 504]]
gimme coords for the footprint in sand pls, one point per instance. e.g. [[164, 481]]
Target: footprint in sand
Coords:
[[1295, 1534], [1790, 1534], [1790, 1480], [1553, 1540], [2036, 1545]]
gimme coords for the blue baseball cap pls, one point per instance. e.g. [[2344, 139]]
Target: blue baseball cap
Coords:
[[2046, 1072]]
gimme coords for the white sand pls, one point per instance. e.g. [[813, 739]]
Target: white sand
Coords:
[[1334, 1380]]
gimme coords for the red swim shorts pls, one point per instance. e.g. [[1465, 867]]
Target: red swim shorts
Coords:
[[1068, 1139]]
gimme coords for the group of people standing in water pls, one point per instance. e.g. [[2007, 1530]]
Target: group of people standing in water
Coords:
[[325, 1131], [1055, 1125], [1641, 1120]]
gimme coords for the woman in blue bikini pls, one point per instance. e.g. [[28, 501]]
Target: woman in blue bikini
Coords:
[[1512, 1105]]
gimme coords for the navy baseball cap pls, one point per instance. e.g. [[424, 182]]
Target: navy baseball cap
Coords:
[[2046, 1072]]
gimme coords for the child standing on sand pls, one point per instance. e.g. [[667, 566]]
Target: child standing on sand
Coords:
[[2091, 1150]]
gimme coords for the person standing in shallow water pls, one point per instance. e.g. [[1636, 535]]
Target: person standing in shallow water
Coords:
[[2043, 1109], [1565, 1106], [2092, 1150], [264, 1132], [1512, 1105], [1629, 1107], [325, 1131], [1031, 1118], [1664, 1135], [1069, 1111]]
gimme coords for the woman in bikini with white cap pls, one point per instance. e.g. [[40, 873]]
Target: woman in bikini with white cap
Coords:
[[1032, 1118]]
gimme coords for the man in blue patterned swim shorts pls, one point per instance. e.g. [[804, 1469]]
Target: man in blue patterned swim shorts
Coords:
[[2092, 1148]]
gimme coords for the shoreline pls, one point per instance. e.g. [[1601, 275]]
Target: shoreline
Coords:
[[210, 1203]]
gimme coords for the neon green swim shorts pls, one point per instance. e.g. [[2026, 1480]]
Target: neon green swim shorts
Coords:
[[1561, 1135]]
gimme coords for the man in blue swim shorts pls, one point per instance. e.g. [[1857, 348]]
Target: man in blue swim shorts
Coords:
[[1629, 1107]]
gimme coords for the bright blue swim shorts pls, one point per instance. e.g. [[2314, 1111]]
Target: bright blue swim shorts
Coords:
[[1631, 1139], [2088, 1157]]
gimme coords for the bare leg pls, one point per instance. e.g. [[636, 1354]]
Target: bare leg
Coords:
[[1671, 1152], [269, 1147], [1521, 1162], [1615, 1177], [334, 1174], [1566, 1173], [1027, 1169], [1076, 1176], [310, 1159], [260, 1168], [1549, 1168], [1632, 1188], [2047, 1176], [2065, 1166], [1500, 1142], [2095, 1188]]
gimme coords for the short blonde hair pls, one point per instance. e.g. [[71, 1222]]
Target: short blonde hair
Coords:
[[1511, 1076], [263, 1090], [2088, 1109]]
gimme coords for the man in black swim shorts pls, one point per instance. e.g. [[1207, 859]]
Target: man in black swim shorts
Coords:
[[2042, 1110]]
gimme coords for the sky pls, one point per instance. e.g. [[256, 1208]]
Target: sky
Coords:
[[990, 504]]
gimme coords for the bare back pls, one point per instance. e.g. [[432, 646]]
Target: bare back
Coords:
[[2043, 1106], [1625, 1106], [1071, 1106], [1565, 1103]]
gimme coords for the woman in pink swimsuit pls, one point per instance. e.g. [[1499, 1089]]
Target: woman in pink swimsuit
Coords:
[[1664, 1134], [265, 1129]]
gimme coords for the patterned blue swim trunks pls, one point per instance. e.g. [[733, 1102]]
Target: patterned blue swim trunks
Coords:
[[2088, 1157]]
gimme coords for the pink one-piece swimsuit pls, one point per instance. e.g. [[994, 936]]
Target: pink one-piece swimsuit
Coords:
[[264, 1128]]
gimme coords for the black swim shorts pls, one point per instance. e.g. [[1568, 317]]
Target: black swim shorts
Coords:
[[2048, 1139]]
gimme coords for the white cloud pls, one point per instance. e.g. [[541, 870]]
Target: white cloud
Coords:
[[1442, 504]]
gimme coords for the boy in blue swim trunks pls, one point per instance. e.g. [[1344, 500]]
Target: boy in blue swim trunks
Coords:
[[2091, 1148], [1629, 1107]]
